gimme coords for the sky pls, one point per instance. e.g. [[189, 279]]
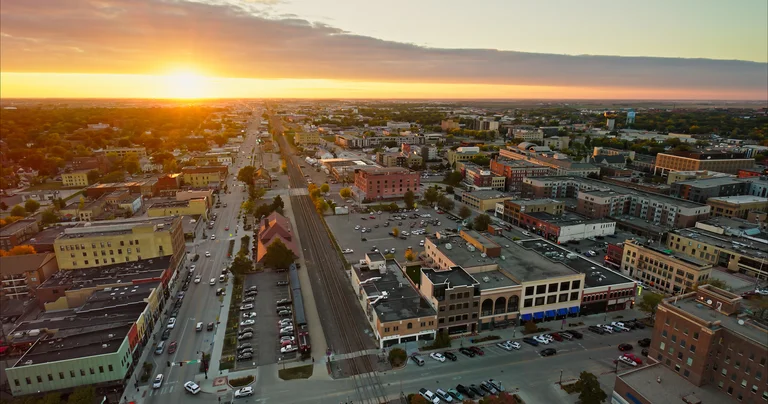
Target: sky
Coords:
[[557, 49]]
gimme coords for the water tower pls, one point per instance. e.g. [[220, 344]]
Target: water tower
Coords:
[[630, 117]]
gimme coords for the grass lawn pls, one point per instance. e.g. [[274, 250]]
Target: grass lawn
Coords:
[[299, 372]]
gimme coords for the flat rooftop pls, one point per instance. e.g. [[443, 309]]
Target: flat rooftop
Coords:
[[126, 272], [566, 219], [114, 227], [534, 202], [454, 276], [750, 329], [739, 199], [118, 297], [711, 182], [672, 254], [76, 343], [171, 203], [487, 194], [673, 387], [403, 302], [594, 274], [15, 226], [494, 279], [750, 247]]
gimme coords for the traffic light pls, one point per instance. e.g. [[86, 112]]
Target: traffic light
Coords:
[[169, 363]]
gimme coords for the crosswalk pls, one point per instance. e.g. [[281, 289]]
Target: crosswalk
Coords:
[[298, 191], [166, 388]]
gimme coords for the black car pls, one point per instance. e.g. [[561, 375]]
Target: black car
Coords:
[[530, 341], [196, 257], [467, 352], [548, 352], [645, 342], [639, 324], [282, 283], [166, 334], [465, 391], [576, 334], [477, 390], [450, 355], [595, 329]]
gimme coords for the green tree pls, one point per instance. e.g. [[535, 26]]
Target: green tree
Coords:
[[31, 205], [453, 178], [649, 302], [277, 204], [481, 222], [345, 193], [49, 216], [465, 212], [3, 206], [18, 210], [589, 388], [241, 265], [114, 176], [170, 166], [278, 255], [409, 198], [82, 395], [449, 190], [325, 188], [431, 195], [248, 206], [246, 174], [442, 340], [397, 357], [255, 194], [132, 164], [93, 176], [446, 203]]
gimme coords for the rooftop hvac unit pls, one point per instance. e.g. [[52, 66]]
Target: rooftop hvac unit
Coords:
[[448, 246]]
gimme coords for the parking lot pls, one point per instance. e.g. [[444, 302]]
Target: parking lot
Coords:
[[343, 228], [265, 342]]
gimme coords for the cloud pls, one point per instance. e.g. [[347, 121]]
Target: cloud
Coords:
[[149, 36]]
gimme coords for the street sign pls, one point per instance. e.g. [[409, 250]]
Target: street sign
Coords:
[[192, 361]]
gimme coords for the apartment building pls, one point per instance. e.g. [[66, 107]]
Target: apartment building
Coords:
[[464, 153], [399, 159], [515, 171], [744, 250], [455, 296], [529, 135], [707, 338], [514, 209], [678, 176], [663, 269], [710, 160], [557, 142], [395, 309], [20, 275], [189, 207], [480, 178], [737, 206], [17, 233], [117, 241], [87, 211], [484, 200], [558, 164], [75, 179], [307, 137], [123, 152], [204, 177], [700, 190], [375, 183], [566, 226], [146, 187]]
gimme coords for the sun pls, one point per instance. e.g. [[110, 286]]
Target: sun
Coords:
[[185, 84]]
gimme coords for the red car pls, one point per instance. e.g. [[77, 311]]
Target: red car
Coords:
[[172, 348], [634, 358], [226, 228], [372, 217], [556, 336], [477, 350]]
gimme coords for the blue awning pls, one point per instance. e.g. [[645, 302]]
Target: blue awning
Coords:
[[526, 317], [550, 313], [562, 312], [574, 309], [538, 315]]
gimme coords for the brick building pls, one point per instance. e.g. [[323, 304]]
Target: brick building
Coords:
[[710, 160], [517, 170], [374, 183]]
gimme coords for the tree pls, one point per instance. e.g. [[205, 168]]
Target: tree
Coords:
[[431, 195], [114, 176], [453, 178], [446, 203], [345, 193], [449, 190], [325, 188], [18, 250], [465, 212], [93, 176], [278, 255], [395, 231], [31, 205], [283, 167], [321, 206], [241, 265], [397, 357], [410, 255], [256, 193], [314, 193], [49, 216], [18, 210], [277, 204], [170, 166], [650, 301], [248, 206], [589, 387], [132, 164], [3, 206], [409, 198], [82, 395], [246, 174], [481, 222]]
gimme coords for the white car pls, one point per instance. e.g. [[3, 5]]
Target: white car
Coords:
[[198, 278], [192, 387], [607, 328], [620, 326], [244, 392], [287, 329], [525, 233], [392, 250], [289, 348], [404, 233], [212, 282], [548, 337], [437, 356], [191, 268], [357, 227], [348, 251], [207, 253], [541, 340], [158, 381], [626, 360], [248, 322], [171, 323], [213, 237], [249, 315], [515, 344], [421, 243]]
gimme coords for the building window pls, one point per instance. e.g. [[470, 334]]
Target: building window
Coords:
[[28, 380], [730, 390], [528, 303], [61, 375], [91, 370], [16, 382], [71, 373], [101, 369], [539, 301], [686, 373], [696, 335], [541, 289], [82, 372], [661, 346], [689, 362], [574, 295], [551, 299], [664, 333], [39, 379]]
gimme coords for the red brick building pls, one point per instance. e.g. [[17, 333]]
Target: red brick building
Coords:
[[517, 170], [385, 183]]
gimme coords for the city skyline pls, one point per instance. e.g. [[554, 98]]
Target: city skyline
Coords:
[[265, 48]]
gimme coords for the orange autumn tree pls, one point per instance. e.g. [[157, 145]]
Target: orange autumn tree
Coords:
[[18, 250]]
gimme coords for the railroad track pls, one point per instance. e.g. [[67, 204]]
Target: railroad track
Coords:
[[331, 271]]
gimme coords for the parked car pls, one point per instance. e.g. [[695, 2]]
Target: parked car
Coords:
[[487, 387], [247, 335], [566, 335], [644, 343], [283, 283], [477, 390], [244, 392], [444, 395], [531, 341], [249, 315], [245, 330], [595, 329], [171, 323], [289, 348], [626, 360], [541, 339], [625, 347], [244, 346], [192, 387], [556, 336], [576, 334], [416, 358], [477, 350], [548, 352], [244, 356], [437, 356], [496, 384], [246, 307], [465, 391], [467, 352], [456, 395], [633, 357], [450, 355], [166, 334], [248, 322]]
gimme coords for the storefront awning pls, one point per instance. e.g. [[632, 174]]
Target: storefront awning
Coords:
[[574, 309], [538, 315], [550, 313], [562, 312], [526, 317]]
